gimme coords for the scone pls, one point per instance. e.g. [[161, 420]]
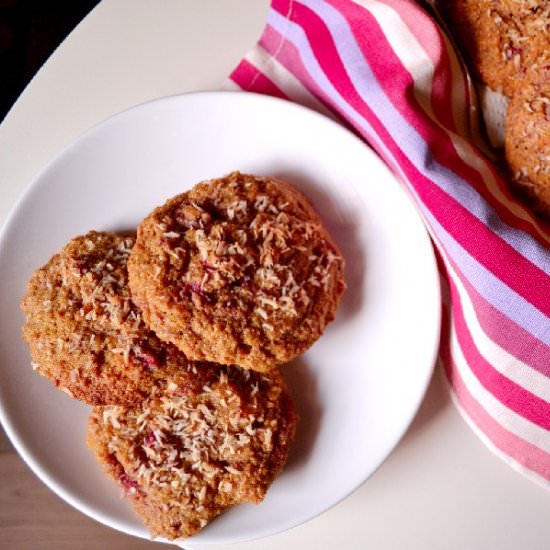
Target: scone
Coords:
[[527, 143], [83, 330], [185, 455], [238, 270], [501, 38]]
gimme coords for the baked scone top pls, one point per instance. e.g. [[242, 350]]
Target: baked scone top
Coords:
[[189, 452], [527, 143], [238, 270], [83, 330]]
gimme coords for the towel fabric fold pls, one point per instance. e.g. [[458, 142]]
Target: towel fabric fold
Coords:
[[388, 70]]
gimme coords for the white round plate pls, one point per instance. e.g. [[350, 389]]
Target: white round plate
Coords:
[[357, 389]]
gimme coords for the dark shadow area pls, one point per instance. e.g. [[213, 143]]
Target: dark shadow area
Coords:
[[30, 30], [123, 231], [342, 227], [303, 390], [435, 400]]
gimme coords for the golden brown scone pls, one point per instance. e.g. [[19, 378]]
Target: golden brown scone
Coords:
[[184, 456], [527, 142], [238, 270], [500, 38], [83, 330]]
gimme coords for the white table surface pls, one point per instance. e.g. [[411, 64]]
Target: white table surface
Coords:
[[441, 488]]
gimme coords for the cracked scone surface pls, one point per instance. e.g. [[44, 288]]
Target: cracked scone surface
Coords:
[[83, 330], [527, 143], [238, 270], [188, 453], [501, 38]]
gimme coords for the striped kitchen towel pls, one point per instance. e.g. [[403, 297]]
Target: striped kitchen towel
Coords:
[[388, 69]]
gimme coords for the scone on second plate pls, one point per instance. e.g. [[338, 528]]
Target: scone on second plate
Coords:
[[527, 143], [500, 38], [238, 270]]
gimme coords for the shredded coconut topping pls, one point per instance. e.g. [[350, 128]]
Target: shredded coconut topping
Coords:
[[198, 451], [79, 306], [253, 255]]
